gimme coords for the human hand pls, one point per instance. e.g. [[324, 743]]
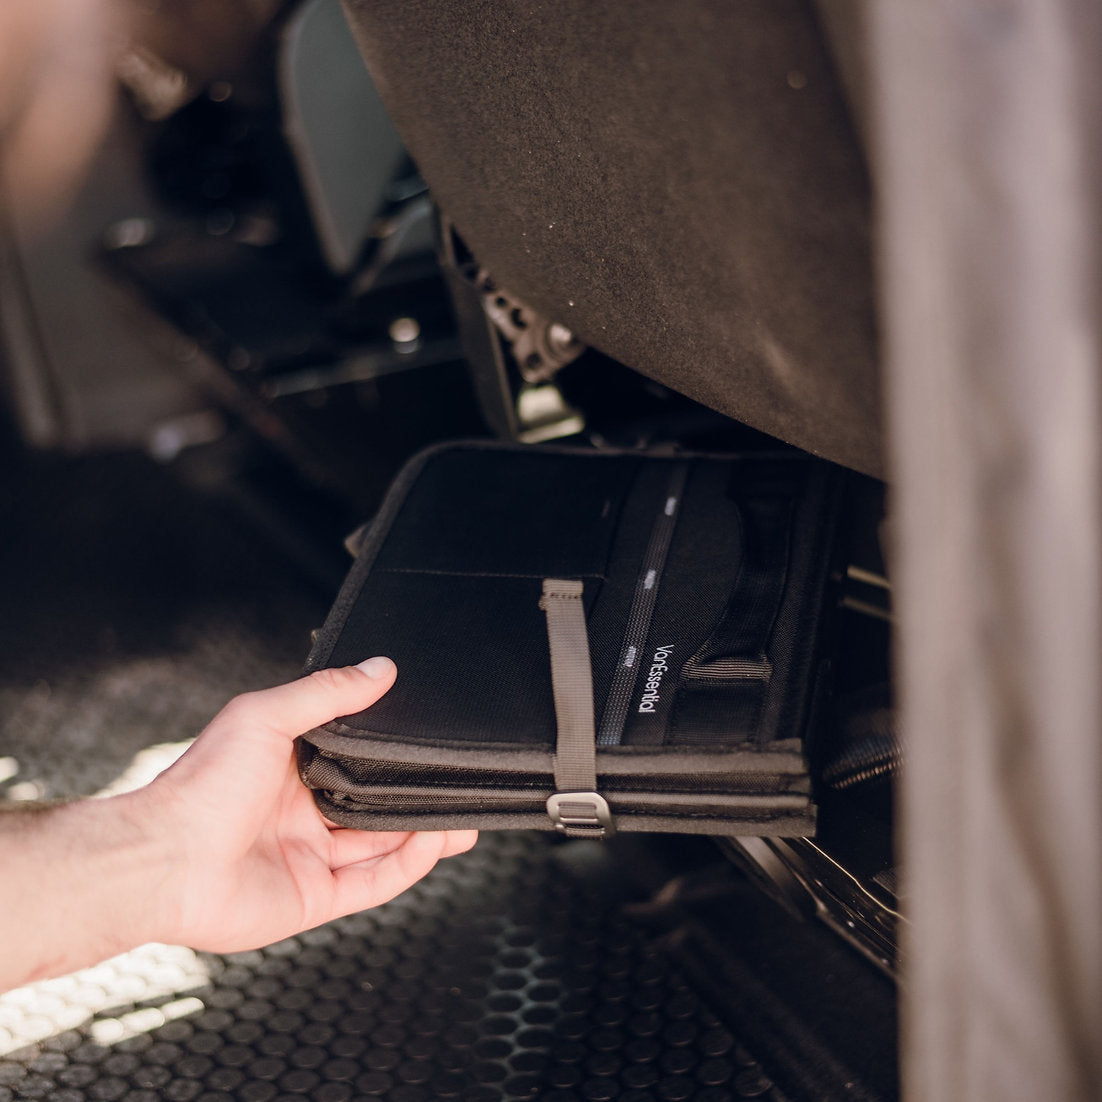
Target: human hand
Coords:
[[251, 859], [224, 851]]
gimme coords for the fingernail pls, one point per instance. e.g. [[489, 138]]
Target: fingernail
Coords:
[[378, 668]]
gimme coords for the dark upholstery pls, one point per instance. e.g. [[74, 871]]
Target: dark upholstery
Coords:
[[679, 183]]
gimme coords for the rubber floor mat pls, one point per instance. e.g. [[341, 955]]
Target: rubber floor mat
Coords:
[[515, 971]]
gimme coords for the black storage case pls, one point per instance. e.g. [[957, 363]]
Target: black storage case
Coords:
[[697, 669]]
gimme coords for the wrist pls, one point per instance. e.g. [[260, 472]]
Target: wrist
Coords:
[[137, 859], [145, 852]]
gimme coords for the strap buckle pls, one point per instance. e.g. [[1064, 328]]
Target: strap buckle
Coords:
[[580, 814]]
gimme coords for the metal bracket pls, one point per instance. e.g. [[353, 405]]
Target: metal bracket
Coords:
[[581, 814], [540, 346]]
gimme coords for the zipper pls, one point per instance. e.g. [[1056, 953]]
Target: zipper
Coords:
[[420, 801], [419, 783], [642, 611], [325, 765], [426, 800]]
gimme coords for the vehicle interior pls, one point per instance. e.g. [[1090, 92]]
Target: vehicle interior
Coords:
[[313, 240]]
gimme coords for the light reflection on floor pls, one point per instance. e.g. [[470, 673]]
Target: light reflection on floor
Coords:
[[156, 975]]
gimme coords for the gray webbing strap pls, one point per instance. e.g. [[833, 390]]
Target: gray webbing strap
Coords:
[[575, 808]]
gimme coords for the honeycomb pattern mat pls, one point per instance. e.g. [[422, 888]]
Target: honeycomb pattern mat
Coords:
[[517, 971]]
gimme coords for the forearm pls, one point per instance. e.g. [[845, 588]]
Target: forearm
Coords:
[[80, 882]]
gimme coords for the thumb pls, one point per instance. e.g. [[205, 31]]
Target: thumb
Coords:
[[291, 709]]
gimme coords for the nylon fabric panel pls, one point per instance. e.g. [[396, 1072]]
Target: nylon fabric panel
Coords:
[[534, 514], [723, 708], [479, 674]]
